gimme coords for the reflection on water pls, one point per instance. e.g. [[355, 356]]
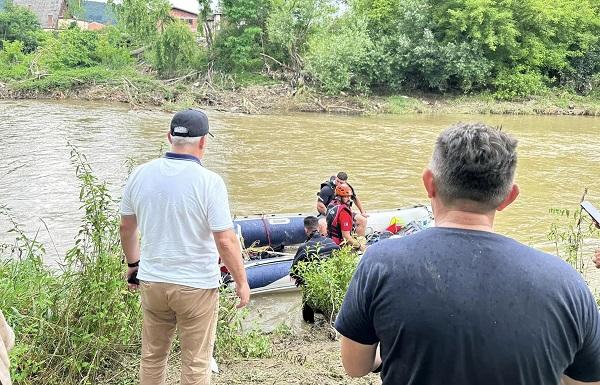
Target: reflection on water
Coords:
[[274, 164]]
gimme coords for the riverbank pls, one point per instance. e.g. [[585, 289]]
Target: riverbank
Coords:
[[307, 356], [266, 96]]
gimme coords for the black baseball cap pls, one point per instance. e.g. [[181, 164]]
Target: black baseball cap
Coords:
[[190, 123]]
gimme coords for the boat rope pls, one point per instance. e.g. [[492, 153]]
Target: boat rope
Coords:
[[267, 229]]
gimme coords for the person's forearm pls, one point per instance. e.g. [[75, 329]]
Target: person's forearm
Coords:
[[130, 244], [359, 205], [321, 208], [350, 240], [231, 255]]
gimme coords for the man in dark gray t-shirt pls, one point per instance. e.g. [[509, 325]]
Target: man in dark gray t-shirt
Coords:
[[460, 304]]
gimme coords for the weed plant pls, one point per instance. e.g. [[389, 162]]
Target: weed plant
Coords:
[[569, 232], [326, 281], [74, 323], [232, 340]]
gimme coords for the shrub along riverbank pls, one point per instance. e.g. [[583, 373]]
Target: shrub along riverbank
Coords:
[[314, 55]]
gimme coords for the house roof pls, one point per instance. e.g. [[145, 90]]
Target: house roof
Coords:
[[43, 9], [191, 6]]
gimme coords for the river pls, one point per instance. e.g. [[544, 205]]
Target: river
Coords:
[[274, 163]]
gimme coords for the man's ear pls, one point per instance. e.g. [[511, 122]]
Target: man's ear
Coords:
[[202, 142], [429, 183], [510, 198], [169, 137]]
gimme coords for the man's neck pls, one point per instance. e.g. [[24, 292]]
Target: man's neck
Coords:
[[186, 150], [464, 219]]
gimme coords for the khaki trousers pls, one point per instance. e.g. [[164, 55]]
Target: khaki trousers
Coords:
[[194, 313]]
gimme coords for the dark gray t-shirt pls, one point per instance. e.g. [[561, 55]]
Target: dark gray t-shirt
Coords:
[[452, 306]]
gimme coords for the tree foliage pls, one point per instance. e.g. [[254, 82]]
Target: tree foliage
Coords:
[[239, 45], [292, 23], [19, 23], [142, 20], [511, 49], [175, 49]]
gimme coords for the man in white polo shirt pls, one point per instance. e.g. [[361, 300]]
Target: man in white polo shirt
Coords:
[[182, 212]]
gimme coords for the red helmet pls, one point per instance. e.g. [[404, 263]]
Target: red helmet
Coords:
[[343, 190]]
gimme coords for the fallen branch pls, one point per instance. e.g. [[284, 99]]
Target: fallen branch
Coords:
[[277, 61], [176, 80]]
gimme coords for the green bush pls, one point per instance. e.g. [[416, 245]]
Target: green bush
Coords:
[[334, 56], [239, 50], [70, 49], [14, 64], [518, 85], [175, 49], [18, 23], [111, 50], [326, 281]]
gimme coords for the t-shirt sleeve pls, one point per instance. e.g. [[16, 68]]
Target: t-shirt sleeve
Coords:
[[354, 320], [586, 364], [219, 215], [345, 220]]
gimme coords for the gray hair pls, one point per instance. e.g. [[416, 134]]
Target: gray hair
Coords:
[[474, 162], [179, 141]]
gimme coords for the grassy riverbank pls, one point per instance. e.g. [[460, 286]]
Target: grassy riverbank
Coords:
[[315, 55], [259, 94]]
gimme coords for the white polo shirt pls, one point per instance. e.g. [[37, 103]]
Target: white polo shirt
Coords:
[[178, 204]]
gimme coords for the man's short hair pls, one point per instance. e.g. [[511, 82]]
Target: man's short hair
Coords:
[[311, 223], [474, 162], [185, 140], [342, 176]]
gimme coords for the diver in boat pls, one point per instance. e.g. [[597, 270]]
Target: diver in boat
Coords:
[[315, 248], [327, 194], [340, 219]]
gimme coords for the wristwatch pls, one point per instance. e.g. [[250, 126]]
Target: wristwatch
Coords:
[[134, 264]]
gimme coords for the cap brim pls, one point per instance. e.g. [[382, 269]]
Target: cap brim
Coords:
[[210, 133]]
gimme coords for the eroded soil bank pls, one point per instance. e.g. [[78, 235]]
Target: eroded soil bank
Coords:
[[282, 98]]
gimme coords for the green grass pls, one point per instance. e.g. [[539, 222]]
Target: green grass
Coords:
[[400, 104], [248, 79]]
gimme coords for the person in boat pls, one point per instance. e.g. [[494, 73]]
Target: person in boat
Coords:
[[316, 248], [460, 304], [327, 194], [339, 218], [183, 215]]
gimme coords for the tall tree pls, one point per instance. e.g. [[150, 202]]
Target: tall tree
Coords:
[[142, 19], [19, 23]]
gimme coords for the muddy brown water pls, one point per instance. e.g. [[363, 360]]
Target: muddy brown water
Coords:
[[274, 164]]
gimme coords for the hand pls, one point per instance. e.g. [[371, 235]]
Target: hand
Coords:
[[365, 214], [596, 259], [243, 292], [130, 271]]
